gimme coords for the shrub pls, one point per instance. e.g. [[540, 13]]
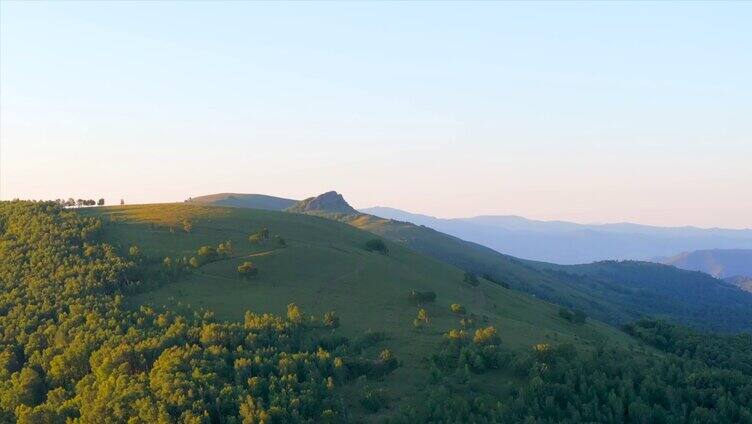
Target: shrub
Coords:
[[206, 253], [225, 249], [457, 308], [471, 279], [485, 336], [374, 399], [377, 245], [331, 319], [294, 314], [247, 269], [369, 338], [416, 297], [259, 236], [575, 317], [422, 319], [566, 314], [455, 334]]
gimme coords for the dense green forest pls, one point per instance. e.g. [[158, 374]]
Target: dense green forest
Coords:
[[691, 378], [71, 351]]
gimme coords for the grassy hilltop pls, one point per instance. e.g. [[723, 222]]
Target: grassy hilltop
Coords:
[[323, 266]]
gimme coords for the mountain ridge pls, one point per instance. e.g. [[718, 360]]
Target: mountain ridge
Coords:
[[612, 291]]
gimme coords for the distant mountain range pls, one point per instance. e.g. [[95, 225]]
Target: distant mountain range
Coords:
[[612, 291], [571, 243], [720, 263], [559, 242]]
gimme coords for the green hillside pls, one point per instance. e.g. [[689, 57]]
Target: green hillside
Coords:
[[140, 314], [324, 266], [615, 292]]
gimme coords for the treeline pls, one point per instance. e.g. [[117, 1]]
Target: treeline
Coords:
[[697, 378], [71, 352], [79, 202]]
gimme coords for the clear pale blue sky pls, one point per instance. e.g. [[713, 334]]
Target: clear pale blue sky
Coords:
[[586, 112]]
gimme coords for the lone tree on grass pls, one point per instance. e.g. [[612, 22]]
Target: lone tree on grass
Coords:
[[575, 317], [417, 298], [247, 269], [225, 249], [377, 245], [457, 308], [331, 319], [294, 314], [422, 319], [471, 279], [259, 236]]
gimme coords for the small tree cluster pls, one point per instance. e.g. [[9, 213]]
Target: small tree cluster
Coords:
[[259, 236], [471, 279], [374, 399], [575, 317], [417, 298], [459, 355], [457, 309], [331, 319], [79, 202], [422, 319], [247, 269], [494, 280], [294, 314], [485, 336], [377, 245], [224, 249]]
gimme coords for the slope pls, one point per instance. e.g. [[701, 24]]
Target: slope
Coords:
[[609, 291], [323, 266]]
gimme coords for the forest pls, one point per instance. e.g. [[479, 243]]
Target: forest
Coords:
[[682, 377]]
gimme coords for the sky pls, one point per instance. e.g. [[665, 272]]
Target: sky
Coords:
[[587, 112]]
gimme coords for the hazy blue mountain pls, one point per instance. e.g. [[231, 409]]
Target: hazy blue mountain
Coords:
[[571, 243], [720, 263], [240, 200]]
